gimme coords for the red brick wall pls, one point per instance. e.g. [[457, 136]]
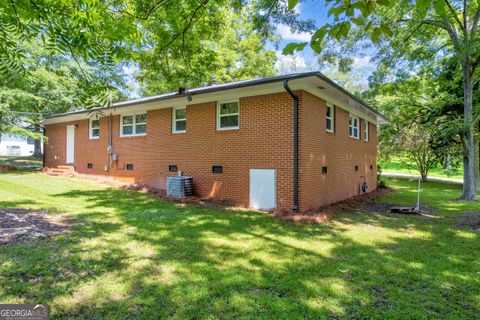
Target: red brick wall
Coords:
[[337, 151], [55, 144], [264, 141]]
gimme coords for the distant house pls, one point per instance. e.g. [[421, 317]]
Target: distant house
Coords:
[[289, 142], [16, 145]]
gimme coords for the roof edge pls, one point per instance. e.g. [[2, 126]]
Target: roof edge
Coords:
[[222, 87]]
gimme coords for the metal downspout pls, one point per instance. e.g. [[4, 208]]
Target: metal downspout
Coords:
[[295, 145], [110, 143], [43, 142]]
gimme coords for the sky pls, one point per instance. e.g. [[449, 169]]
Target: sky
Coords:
[[307, 9], [305, 60]]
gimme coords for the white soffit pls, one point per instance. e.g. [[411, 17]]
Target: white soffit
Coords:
[[330, 93], [312, 84]]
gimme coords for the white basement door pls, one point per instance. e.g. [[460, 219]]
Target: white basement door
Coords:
[[262, 189], [70, 145]]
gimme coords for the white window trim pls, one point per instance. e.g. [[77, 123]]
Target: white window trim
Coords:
[[366, 131], [90, 128], [174, 119], [230, 114], [352, 117], [332, 118], [134, 134]]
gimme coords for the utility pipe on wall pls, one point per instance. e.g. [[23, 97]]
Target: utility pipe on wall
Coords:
[[295, 145], [110, 142], [43, 142]]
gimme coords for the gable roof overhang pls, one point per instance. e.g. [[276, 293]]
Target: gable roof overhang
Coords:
[[312, 82]]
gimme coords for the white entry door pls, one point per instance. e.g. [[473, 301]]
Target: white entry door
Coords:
[[70, 145], [262, 189]]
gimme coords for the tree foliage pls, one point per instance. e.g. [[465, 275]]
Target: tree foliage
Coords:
[[51, 84], [101, 33], [423, 127], [223, 45]]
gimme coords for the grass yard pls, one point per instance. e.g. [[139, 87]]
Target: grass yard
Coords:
[[17, 161], [402, 165], [131, 256]]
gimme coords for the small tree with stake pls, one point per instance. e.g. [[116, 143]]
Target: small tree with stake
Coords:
[[416, 143]]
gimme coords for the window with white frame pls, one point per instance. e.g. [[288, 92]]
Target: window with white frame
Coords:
[[133, 125], [179, 124], [365, 132], [353, 123], [94, 132], [330, 119], [228, 115]]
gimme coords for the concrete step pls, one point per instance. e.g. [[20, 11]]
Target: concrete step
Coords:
[[60, 171], [65, 167], [69, 174]]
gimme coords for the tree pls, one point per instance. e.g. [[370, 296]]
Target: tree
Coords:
[[421, 128], [87, 30], [52, 84], [101, 33], [233, 51], [416, 142], [439, 27]]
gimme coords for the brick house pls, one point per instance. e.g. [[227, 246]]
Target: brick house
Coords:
[[289, 142]]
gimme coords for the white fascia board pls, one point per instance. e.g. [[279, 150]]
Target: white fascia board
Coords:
[[309, 84], [235, 93]]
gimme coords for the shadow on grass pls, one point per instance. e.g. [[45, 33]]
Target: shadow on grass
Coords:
[[18, 171], [134, 256]]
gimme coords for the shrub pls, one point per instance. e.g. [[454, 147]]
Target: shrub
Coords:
[[381, 183]]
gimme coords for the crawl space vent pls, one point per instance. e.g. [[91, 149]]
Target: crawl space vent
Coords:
[[217, 169]]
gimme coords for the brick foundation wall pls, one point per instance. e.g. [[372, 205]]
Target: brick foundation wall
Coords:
[[337, 151], [264, 141]]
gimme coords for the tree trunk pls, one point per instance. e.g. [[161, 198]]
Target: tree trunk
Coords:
[[37, 150], [470, 166], [477, 143]]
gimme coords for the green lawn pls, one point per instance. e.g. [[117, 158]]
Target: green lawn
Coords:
[[131, 256], [402, 165], [17, 161]]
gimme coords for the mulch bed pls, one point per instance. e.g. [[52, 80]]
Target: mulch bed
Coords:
[[161, 194], [469, 220], [326, 213], [7, 168], [18, 225], [319, 215]]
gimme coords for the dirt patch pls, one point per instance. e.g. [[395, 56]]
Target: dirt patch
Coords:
[[7, 168], [469, 220], [17, 225], [376, 207], [385, 208], [209, 202], [325, 213]]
